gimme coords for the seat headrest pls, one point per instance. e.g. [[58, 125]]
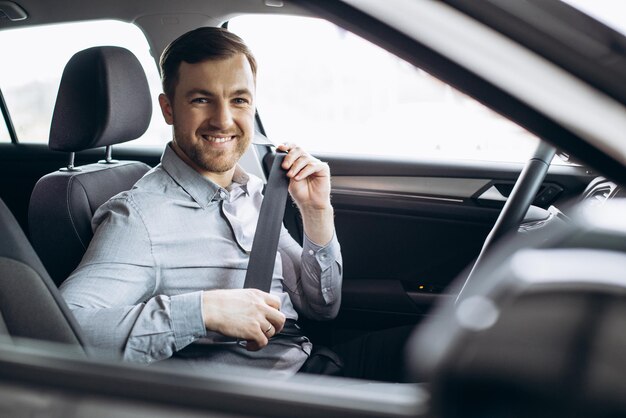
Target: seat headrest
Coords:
[[103, 100]]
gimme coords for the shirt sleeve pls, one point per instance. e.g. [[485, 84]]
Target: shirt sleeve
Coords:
[[312, 275], [112, 292]]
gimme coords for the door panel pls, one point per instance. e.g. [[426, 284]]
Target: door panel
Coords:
[[407, 229], [432, 188]]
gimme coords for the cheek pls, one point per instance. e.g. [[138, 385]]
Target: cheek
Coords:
[[245, 119], [187, 120]]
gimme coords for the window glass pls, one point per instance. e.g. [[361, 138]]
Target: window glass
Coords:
[[331, 91], [30, 79]]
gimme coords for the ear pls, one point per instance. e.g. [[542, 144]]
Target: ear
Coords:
[[166, 109]]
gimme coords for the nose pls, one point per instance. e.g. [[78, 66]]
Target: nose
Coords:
[[221, 117]]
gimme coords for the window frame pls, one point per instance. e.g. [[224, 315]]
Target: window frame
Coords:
[[8, 122]]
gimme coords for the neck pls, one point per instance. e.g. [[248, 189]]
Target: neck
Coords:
[[222, 179]]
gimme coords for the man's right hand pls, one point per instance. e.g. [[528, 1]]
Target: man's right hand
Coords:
[[248, 314]]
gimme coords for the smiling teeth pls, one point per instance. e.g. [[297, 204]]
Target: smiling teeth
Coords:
[[218, 140]]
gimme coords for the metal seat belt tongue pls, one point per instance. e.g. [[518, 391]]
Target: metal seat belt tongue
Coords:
[[265, 242]]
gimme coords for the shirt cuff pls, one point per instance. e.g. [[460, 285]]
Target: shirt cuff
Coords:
[[325, 255], [187, 322]]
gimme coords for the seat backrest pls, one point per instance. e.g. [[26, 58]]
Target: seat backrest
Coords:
[[103, 100], [30, 304], [3, 328]]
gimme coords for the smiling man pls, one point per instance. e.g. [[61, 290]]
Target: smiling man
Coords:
[[163, 275]]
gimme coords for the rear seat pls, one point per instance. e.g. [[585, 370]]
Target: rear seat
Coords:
[[103, 99]]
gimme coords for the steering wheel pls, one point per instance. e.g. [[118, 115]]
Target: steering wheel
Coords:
[[517, 204]]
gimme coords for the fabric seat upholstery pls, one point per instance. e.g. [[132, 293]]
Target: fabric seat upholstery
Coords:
[[103, 100], [30, 304]]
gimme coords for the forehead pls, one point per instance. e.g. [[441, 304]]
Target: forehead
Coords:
[[221, 75]]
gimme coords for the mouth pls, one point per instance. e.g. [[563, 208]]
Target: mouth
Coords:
[[218, 139]]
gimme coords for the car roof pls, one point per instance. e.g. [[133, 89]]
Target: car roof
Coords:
[[46, 12], [160, 20]]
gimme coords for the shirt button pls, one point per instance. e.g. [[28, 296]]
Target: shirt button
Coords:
[[311, 252], [222, 194], [323, 256]]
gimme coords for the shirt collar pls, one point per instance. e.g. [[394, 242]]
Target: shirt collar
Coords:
[[240, 180], [201, 189]]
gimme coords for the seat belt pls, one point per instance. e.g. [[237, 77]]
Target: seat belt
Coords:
[[267, 234], [263, 257]]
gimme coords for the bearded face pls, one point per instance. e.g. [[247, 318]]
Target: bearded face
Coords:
[[212, 113]]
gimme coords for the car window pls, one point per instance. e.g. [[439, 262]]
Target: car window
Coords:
[[30, 79], [331, 91]]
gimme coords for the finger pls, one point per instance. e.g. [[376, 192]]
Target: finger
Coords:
[[257, 340], [299, 164], [292, 156], [276, 319], [286, 146], [254, 345], [269, 330], [266, 297], [311, 169], [271, 300]]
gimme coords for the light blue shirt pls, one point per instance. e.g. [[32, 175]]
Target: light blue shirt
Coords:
[[174, 234]]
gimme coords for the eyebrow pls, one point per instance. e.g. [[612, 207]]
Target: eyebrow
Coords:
[[243, 91], [203, 92]]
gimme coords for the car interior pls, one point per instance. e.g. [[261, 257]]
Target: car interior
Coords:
[[511, 272]]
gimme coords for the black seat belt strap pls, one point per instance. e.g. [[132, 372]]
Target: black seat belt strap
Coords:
[[263, 257], [265, 243]]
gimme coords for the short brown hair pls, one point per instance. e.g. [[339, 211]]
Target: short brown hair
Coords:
[[202, 44]]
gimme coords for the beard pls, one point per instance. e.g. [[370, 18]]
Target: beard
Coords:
[[209, 159]]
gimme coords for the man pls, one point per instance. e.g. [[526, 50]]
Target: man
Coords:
[[168, 259]]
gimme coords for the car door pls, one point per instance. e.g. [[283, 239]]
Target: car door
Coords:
[[415, 195], [408, 229]]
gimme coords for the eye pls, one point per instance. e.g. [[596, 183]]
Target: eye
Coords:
[[240, 101], [201, 100]]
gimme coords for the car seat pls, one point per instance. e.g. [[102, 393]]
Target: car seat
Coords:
[[30, 304], [103, 100]]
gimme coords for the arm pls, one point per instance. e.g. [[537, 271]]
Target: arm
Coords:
[[312, 276], [318, 266], [111, 293]]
